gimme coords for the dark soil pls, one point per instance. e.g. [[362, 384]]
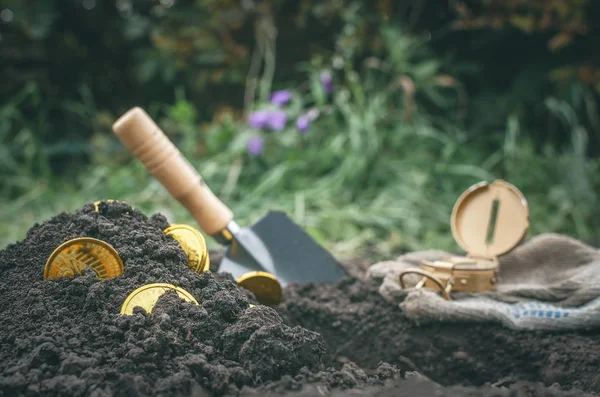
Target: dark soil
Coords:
[[359, 326], [66, 337]]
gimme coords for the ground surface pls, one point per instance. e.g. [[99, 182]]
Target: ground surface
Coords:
[[66, 338]]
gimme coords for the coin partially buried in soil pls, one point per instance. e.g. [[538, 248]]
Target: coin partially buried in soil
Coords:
[[75, 255], [147, 295], [97, 203], [193, 244], [265, 286]]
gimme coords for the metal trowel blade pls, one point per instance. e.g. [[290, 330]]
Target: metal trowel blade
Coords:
[[277, 245]]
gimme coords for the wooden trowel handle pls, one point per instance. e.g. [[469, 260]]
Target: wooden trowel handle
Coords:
[[146, 141]]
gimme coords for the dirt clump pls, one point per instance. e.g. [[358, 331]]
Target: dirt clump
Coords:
[[359, 326], [66, 336]]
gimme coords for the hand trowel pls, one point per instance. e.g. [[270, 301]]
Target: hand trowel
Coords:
[[273, 244]]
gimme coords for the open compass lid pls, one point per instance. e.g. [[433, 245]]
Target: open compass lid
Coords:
[[489, 220]]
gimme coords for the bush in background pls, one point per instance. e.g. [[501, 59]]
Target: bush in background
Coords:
[[364, 120]]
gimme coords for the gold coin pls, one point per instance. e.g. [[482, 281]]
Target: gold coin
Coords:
[[73, 256], [263, 285], [97, 203], [193, 244], [147, 295]]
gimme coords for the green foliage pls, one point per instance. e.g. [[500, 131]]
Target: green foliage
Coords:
[[22, 155], [564, 18], [385, 156]]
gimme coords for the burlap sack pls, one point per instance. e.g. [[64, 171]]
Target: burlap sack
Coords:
[[550, 282]]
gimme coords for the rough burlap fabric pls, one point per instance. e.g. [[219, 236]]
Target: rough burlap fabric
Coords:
[[550, 282]]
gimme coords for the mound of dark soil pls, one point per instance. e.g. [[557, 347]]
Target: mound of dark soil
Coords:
[[66, 337], [359, 326]]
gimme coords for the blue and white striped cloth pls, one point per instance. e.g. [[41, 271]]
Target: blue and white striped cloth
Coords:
[[425, 306]]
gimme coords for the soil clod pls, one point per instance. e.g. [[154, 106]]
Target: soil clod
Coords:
[[67, 336]]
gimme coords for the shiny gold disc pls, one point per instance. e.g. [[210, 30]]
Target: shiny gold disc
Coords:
[[193, 244], [263, 285], [71, 257], [147, 295], [97, 203]]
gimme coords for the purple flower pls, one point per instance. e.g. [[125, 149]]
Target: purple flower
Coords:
[[280, 98], [255, 146], [274, 119], [302, 123], [327, 82], [258, 119]]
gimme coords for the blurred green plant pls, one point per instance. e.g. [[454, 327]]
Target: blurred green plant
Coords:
[[22, 155], [366, 146]]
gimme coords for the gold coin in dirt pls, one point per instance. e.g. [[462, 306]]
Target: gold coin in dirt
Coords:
[[147, 295], [97, 203], [265, 286], [75, 255], [193, 244]]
